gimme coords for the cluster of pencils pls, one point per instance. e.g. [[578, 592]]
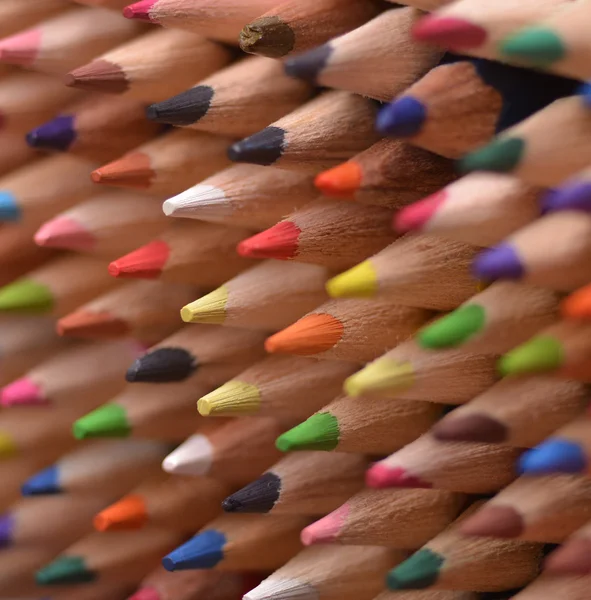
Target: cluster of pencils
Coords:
[[377, 231]]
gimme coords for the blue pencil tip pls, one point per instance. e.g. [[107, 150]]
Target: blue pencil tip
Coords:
[[6, 527], [402, 118], [44, 482], [555, 455], [204, 551], [573, 196], [57, 134], [9, 208], [585, 92]]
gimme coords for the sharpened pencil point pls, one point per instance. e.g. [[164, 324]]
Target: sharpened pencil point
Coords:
[[204, 551], [417, 216], [210, 308], [450, 32], [578, 304], [66, 234], [259, 496], [7, 523], [193, 457], [162, 365], [65, 570], [262, 148], [454, 329], [576, 196], [341, 181], [535, 45], [43, 483], [402, 118], [382, 375], [307, 66], [133, 170], [10, 211], [98, 76], [91, 325], [140, 11], [58, 134], [21, 48], [109, 420], [318, 432], [359, 282], [233, 398], [501, 262], [279, 242], [470, 428], [146, 262], [22, 392], [572, 558], [418, 572], [381, 476], [184, 109], [8, 447], [554, 455], [26, 296], [500, 156], [267, 36], [127, 514], [146, 593], [326, 530], [494, 521], [538, 355]]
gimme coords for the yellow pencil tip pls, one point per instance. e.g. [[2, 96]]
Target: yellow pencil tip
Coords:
[[232, 398], [210, 309], [7, 446], [383, 377], [359, 282]]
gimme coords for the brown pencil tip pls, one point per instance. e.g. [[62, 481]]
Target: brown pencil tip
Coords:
[[98, 76], [470, 428], [92, 326], [310, 335], [134, 170], [494, 521], [267, 36]]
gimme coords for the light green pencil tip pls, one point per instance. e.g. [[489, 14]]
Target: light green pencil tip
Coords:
[[26, 296], [109, 420], [65, 570], [418, 572], [500, 156], [454, 329], [535, 45], [319, 432], [538, 355]]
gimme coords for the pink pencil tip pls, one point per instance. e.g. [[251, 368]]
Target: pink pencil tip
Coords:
[[140, 11], [450, 32], [417, 215], [146, 594], [66, 234], [326, 530], [381, 476], [22, 392], [21, 48]]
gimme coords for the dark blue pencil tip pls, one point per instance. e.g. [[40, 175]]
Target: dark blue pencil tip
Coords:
[[58, 134], [308, 66], [204, 551], [575, 196], [402, 118], [44, 482], [501, 262], [6, 527], [585, 92], [554, 455]]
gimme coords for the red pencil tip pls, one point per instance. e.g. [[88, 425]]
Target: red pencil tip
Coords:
[[146, 262], [341, 181], [140, 11], [417, 215], [450, 32], [279, 242]]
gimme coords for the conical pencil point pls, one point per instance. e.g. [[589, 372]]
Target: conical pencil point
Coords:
[[134, 170], [210, 308], [402, 118], [307, 66], [65, 570], [161, 366], [318, 432], [10, 211], [184, 109], [578, 305], [554, 455], [359, 282], [262, 148], [267, 36], [128, 514], [500, 156], [416, 217], [146, 262], [536, 46], [7, 523], [140, 11], [501, 262], [341, 181], [259, 496], [418, 572], [146, 594], [279, 242], [383, 376], [494, 521], [22, 392], [327, 529], [454, 329], [450, 32], [57, 135], [204, 551], [26, 296], [573, 558], [470, 428], [540, 354], [576, 196], [109, 420], [382, 476], [42, 483], [21, 48], [98, 76], [93, 326], [66, 234]]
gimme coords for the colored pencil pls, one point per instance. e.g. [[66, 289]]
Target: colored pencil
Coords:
[[527, 151], [269, 296], [456, 466], [57, 287], [35, 192], [341, 573], [329, 233], [309, 483], [236, 101], [572, 558], [500, 317], [557, 347], [574, 194], [461, 104], [166, 165], [163, 412], [41, 521], [321, 134], [187, 252], [379, 59], [394, 518], [239, 542], [144, 309], [480, 209], [217, 20], [352, 330], [67, 40], [420, 270], [28, 99], [236, 452], [151, 67], [369, 425], [197, 352], [452, 560], [16, 15], [283, 387], [564, 451], [577, 305], [391, 173], [411, 372], [519, 411], [470, 28], [183, 504], [115, 557], [100, 129], [113, 4], [430, 594], [537, 509], [100, 465], [104, 225], [18, 567], [293, 26], [83, 375], [547, 587], [193, 585], [555, 41], [244, 196], [521, 256]]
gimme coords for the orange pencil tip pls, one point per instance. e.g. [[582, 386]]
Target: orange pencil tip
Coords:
[[341, 182], [133, 170], [578, 304], [93, 326], [129, 513], [146, 262], [310, 335]]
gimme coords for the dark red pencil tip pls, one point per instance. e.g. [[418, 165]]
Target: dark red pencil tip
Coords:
[[140, 11], [450, 32]]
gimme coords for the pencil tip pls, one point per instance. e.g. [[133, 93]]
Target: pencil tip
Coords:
[[98, 76], [537, 46], [22, 392], [10, 211], [501, 262], [92, 325], [65, 570], [7, 524], [554, 455], [26, 296], [500, 156], [494, 521], [454, 329], [57, 135], [382, 476], [470, 428], [573, 196], [417, 216], [204, 551], [402, 118], [327, 529], [538, 355], [127, 514], [341, 181], [572, 558], [279, 242], [232, 398], [267, 36], [210, 309], [66, 234], [318, 432], [141, 11], [147, 262], [450, 32], [578, 304], [361, 281], [146, 593], [184, 109], [193, 457], [262, 148], [21, 48], [109, 420], [307, 66], [207, 198], [383, 375], [259, 496], [134, 170], [43, 483], [162, 365], [418, 572]]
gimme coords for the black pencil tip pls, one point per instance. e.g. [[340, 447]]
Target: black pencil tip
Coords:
[[267, 36], [262, 148], [183, 109], [162, 366], [259, 496], [308, 65]]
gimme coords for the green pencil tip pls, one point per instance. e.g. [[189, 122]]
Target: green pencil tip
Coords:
[[26, 296], [418, 572], [454, 329], [535, 45], [65, 570], [500, 156], [319, 432], [109, 420], [538, 355]]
